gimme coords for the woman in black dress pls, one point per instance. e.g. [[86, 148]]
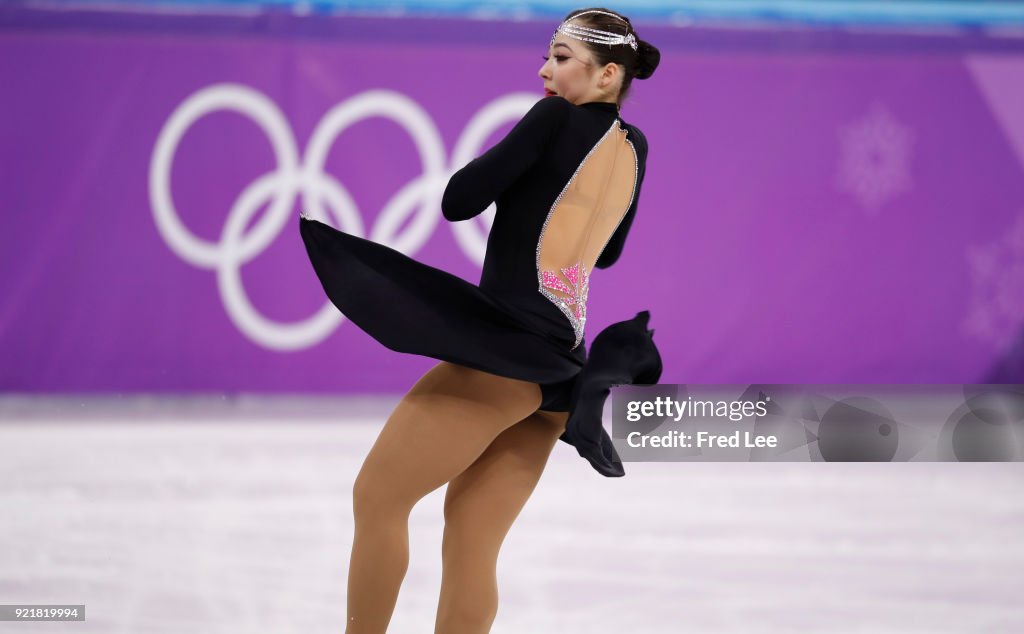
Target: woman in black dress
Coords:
[[514, 374]]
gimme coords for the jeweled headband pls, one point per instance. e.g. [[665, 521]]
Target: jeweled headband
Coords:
[[597, 36]]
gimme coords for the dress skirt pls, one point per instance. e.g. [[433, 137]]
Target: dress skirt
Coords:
[[414, 308]]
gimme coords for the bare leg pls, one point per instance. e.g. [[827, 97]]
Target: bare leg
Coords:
[[438, 429], [480, 505]]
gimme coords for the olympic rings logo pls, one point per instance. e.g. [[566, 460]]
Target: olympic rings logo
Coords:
[[320, 192]]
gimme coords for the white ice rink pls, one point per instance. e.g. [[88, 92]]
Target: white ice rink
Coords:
[[203, 516]]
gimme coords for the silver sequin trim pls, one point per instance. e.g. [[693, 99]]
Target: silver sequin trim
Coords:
[[632, 196]]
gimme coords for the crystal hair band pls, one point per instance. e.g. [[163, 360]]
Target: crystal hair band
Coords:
[[617, 17], [597, 36]]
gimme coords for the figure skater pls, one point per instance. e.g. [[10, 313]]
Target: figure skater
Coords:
[[514, 375]]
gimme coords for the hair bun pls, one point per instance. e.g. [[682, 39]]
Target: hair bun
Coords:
[[649, 57]]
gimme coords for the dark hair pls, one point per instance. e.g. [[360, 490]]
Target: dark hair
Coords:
[[639, 63]]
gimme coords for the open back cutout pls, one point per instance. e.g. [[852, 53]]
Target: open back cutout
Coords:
[[582, 221]]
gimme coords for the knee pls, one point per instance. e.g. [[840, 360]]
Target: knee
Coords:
[[371, 501], [470, 546], [362, 499]]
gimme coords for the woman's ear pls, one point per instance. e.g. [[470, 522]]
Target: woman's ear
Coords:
[[609, 73]]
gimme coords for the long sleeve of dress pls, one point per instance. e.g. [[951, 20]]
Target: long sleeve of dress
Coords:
[[481, 181], [613, 249]]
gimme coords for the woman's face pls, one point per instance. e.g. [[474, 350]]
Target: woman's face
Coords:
[[569, 71]]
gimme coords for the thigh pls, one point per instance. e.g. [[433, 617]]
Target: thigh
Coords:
[[445, 421], [482, 502]]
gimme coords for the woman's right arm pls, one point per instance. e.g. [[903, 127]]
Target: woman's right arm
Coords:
[[481, 181]]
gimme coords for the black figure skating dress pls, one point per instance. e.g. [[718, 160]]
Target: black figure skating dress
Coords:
[[566, 181]]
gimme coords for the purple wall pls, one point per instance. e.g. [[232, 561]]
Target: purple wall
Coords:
[[818, 208]]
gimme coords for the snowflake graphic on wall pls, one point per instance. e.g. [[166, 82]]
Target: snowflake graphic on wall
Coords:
[[996, 308], [874, 157]]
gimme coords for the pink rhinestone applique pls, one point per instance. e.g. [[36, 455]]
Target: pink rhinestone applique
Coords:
[[575, 305]]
